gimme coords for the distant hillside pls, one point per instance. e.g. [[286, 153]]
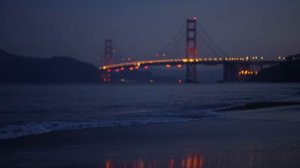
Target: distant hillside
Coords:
[[288, 71], [16, 69], [20, 69]]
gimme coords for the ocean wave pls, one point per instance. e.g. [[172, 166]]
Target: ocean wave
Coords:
[[15, 130]]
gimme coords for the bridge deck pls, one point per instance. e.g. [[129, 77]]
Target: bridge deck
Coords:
[[206, 61]]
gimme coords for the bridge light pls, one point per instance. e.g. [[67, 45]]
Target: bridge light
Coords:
[[191, 60], [104, 67], [168, 66], [131, 68], [122, 68], [178, 65], [185, 60], [261, 57]]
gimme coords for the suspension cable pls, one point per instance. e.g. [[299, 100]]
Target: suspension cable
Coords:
[[176, 38], [211, 41]]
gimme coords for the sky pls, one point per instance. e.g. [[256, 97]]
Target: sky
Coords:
[[141, 28]]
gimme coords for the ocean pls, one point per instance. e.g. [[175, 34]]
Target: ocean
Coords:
[[38, 109]]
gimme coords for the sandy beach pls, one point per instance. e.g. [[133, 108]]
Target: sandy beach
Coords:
[[255, 138]]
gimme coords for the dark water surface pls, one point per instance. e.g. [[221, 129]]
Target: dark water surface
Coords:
[[133, 134], [36, 109]]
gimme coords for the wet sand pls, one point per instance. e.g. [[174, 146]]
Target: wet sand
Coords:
[[256, 138]]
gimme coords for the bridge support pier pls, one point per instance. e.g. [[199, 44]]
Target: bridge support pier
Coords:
[[230, 72], [248, 70]]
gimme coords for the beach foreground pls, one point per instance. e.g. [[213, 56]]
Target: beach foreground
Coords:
[[257, 138]]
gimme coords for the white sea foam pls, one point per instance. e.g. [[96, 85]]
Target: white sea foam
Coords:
[[30, 128]]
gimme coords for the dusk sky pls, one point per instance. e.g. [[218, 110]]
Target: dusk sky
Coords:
[[140, 28]]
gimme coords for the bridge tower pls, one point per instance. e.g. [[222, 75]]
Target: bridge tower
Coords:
[[191, 50], [107, 59]]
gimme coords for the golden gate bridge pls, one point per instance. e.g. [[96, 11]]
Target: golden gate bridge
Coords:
[[233, 67]]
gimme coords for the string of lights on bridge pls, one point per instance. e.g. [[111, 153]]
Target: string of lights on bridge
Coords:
[[178, 62]]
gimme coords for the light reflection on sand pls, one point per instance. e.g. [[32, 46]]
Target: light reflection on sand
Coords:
[[189, 161], [244, 159]]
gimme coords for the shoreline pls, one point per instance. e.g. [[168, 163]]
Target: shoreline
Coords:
[[234, 110], [233, 141]]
